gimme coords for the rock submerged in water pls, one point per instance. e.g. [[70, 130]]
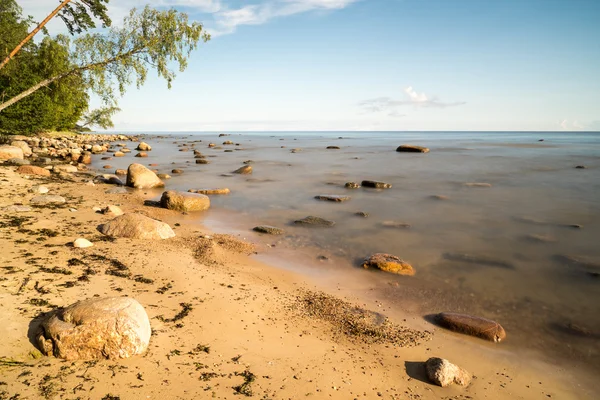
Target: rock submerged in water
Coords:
[[407, 148], [332, 197], [269, 230], [388, 263], [471, 325], [443, 373], [395, 224], [314, 221], [333, 147], [184, 201], [97, 328], [245, 170], [481, 260], [210, 191], [376, 184], [140, 177], [136, 226], [477, 184], [202, 161]]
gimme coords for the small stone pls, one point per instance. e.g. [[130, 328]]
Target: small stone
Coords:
[[18, 161], [477, 184], [438, 197], [443, 373], [333, 147], [332, 197], [270, 230], [581, 167], [107, 166], [351, 185], [164, 176], [202, 161], [388, 263], [361, 214], [314, 221], [395, 224], [10, 152], [210, 191], [245, 170], [177, 171], [120, 172], [376, 184], [140, 177], [82, 243], [141, 154], [112, 211], [407, 148]]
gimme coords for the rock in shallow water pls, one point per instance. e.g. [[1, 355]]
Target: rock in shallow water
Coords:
[[210, 191], [481, 260], [136, 226], [408, 148], [112, 327], [270, 230], [182, 201], [332, 197], [245, 170], [376, 184], [314, 221], [471, 325], [443, 373], [351, 185], [388, 263]]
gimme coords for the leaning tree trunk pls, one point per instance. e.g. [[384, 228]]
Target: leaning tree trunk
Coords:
[[32, 33]]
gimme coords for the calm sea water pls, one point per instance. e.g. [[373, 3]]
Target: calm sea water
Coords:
[[529, 267]]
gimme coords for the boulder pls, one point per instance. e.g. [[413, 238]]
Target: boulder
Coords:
[[314, 221], [407, 148], [8, 152], [82, 243], [245, 170], [39, 189], [112, 211], [471, 325], [33, 170], [49, 199], [211, 191], [269, 230], [443, 373], [85, 158], [332, 197], [182, 201], [136, 226], [97, 149], [140, 177], [143, 146], [376, 184], [18, 161], [64, 168], [97, 328], [141, 154], [23, 146], [388, 263]]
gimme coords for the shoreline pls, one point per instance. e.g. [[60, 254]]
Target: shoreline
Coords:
[[271, 339]]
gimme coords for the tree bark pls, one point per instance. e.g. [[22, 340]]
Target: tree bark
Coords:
[[33, 32]]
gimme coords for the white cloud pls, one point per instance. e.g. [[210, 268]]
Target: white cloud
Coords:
[[571, 126], [411, 98]]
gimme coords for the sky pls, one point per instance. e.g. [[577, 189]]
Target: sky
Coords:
[[297, 65]]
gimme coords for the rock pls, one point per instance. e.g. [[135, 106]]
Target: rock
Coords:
[[211, 145], [477, 184], [143, 146], [164, 176], [295, 150], [97, 149], [395, 224], [8, 152], [64, 168], [107, 166], [182, 201], [471, 325], [443, 373], [248, 162], [438, 197], [140, 177], [85, 159], [333, 147], [228, 142], [82, 243], [39, 189], [141, 154], [49, 199], [136, 226], [202, 161], [388, 263], [120, 172], [376, 184], [361, 214], [211, 191], [332, 197], [33, 170], [119, 154], [351, 185], [23, 146], [314, 221], [481, 260], [580, 167], [270, 230], [177, 171], [117, 190], [106, 158], [112, 211], [18, 161], [17, 208], [245, 170], [407, 148], [97, 328]]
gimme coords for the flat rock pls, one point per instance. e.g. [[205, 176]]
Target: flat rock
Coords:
[[395, 224], [39, 189], [332, 197], [202, 161], [388, 263], [351, 185], [82, 243], [184, 201], [408, 148], [438, 197], [333, 147], [117, 190], [18, 161], [17, 208], [245, 170], [376, 184], [270, 230], [140, 177], [64, 168], [471, 325], [97, 328], [33, 170], [136, 226], [314, 221], [361, 214], [477, 184], [443, 373], [49, 199], [210, 191], [480, 260], [9, 152]]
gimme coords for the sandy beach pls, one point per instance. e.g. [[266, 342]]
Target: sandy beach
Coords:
[[224, 324]]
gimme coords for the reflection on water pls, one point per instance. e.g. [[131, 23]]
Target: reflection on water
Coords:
[[524, 251]]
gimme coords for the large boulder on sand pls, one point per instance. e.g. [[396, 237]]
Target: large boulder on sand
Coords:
[[32, 170], [443, 373], [471, 325], [136, 226], [182, 201], [388, 263], [8, 152], [23, 146], [97, 328], [140, 177]]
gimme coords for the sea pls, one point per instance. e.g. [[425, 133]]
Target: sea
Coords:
[[503, 225]]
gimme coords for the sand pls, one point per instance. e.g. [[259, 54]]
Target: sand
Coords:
[[225, 325]]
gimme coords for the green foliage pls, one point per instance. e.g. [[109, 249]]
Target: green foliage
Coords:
[[77, 15], [99, 117]]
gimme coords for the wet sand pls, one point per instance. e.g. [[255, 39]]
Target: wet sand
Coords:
[[245, 316]]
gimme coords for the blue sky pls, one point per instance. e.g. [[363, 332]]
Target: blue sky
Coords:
[[376, 65]]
